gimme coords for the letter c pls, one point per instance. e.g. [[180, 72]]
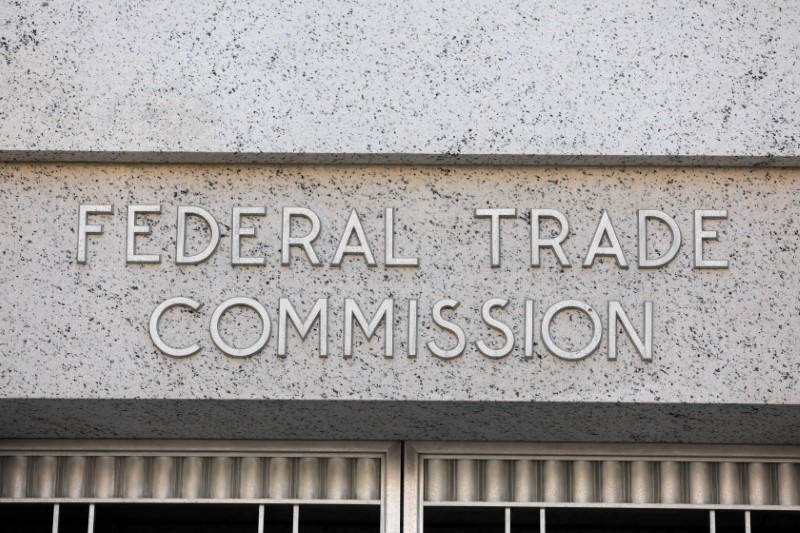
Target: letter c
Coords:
[[156, 317]]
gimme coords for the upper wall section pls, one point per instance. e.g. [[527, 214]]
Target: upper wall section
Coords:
[[351, 81]]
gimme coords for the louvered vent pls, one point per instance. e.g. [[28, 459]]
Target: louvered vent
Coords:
[[109, 477], [611, 482]]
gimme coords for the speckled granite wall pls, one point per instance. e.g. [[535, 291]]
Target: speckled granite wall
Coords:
[[246, 80], [724, 340]]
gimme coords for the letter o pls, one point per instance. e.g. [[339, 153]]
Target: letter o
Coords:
[[226, 348], [596, 327], [156, 317]]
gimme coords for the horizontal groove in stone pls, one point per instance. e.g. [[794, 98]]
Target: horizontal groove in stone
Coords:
[[388, 158]]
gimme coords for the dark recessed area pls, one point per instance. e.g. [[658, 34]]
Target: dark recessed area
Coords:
[[26, 518], [576, 520], [188, 518], [234, 518]]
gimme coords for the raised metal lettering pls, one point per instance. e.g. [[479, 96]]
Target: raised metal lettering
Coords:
[[597, 330], [447, 325], [237, 232], [135, 229], [486, 314], [495, 214], [226, 348], [183, 212], [84, 228], [155, 318]]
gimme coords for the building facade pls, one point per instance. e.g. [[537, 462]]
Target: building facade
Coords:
[[359, 266]]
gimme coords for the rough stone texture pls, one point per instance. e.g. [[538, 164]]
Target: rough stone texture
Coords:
[[725, 355], [407, 420], [369, 81]]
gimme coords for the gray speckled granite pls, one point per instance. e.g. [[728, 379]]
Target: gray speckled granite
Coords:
[[725, 339], [531, 81]]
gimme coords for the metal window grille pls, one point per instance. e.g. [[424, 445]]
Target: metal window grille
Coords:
[[443, 478], [356, 486], [269, 475]]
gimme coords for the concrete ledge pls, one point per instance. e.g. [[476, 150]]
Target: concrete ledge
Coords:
[[397, 420]]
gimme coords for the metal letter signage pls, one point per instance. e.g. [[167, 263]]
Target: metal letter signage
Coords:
[[354, 230]]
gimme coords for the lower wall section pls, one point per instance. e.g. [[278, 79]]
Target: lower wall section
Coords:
[[150, 485], [174, 486], [393, 420]]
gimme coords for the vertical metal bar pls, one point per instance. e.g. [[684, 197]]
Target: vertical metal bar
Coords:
[[555, 481], [280, 478], [308, 478], [295, 518], [56, 511], [16, 477], [496, 480], [191, 477], [391, 490], [337, 486], [45, 477], [467, 480], [542, 525], [747, 527], [670, 480], [525, 481], [729, 484], [221, 477], [368, 479], [104, 477], [261, 518], [582, 482], [413, 486], [758, 484], [642, 482], [788, 485], [712, 522], [90, 527], [437, 480], [508, 519], [612, 479], [73, 478], [162, 483], [250, 476], [700, 482], [134, 473]]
